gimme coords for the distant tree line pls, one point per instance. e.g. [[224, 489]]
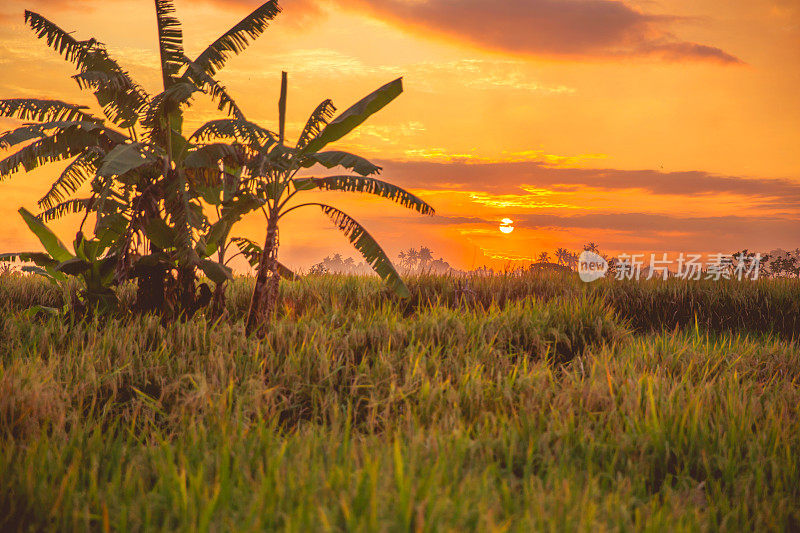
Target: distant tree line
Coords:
[[411, 261], [775, 264]]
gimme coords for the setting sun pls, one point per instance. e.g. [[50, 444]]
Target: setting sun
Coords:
[[506, 226]]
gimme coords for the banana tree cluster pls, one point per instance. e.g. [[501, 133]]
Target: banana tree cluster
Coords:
[[273, 179], [164, 201], [142, 195], [89, 261]]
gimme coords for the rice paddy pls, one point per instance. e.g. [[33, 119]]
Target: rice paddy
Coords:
[[504, 403]]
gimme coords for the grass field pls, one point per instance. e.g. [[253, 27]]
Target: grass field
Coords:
[[503, 403]]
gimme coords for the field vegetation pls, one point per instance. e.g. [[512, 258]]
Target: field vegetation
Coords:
[[481, 403]]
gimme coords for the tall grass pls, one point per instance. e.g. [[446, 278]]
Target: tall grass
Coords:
[[457, 411], [766, 306]]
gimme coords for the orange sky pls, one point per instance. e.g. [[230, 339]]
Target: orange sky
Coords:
[[640, 125]]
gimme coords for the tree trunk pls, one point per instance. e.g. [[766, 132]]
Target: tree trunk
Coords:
[[265, 294], [218, 300], [151, 287], [186, 291]]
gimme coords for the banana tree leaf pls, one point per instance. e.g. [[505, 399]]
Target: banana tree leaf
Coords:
[[160, 234], [304, 184], [87, 249], [108, 268], [212, 194], [196, 217], [48, 272], [74, 266], [252, 252], [102, 295], [38, 258], [355, 115], [49, 240], [39, 271], [249, 249], [238, 207], [216, 233], [336, 158], [209, 156], [216, 272], [110, 228], [369, 249], [287, 273], [35, 310], [124, 158], [154, 259], [368, 186]]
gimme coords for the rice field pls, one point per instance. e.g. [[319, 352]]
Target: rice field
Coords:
[[504, 403]]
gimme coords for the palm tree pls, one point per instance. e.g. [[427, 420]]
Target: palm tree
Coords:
[[425, 256], [572, 260], [146, 178], [412, 256], [544, 257], [562, 256], [591, 247], [272, 176]]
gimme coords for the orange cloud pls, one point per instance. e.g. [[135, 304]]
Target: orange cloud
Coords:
[[576, 29], [563, 28]]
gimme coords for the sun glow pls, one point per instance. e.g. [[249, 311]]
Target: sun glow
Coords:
[[506, 226]]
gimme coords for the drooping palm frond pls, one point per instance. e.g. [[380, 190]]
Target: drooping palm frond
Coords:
[[120, 98], [38, 258], [368, 247], [241, 130], [59, 40], [252, 252], [20, 135], [235, 40], [210, 155], [44, 110], [214, 89], [99, 78], [155, 113], [368, 186], [116, 92], [170, 41], [316, 123], [68, 207], [64, 144], [249, 249], [336, 158], [127, 157], [37, 131], [78, 172]]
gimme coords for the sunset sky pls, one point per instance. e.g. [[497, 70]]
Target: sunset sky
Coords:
[[644, 126]]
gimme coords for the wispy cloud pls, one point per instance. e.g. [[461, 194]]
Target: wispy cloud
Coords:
[[506, 177], [566, 28], [576, 29]]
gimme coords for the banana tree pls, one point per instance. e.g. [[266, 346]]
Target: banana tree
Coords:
[[272, 177], [92, 263], [140, 185]]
